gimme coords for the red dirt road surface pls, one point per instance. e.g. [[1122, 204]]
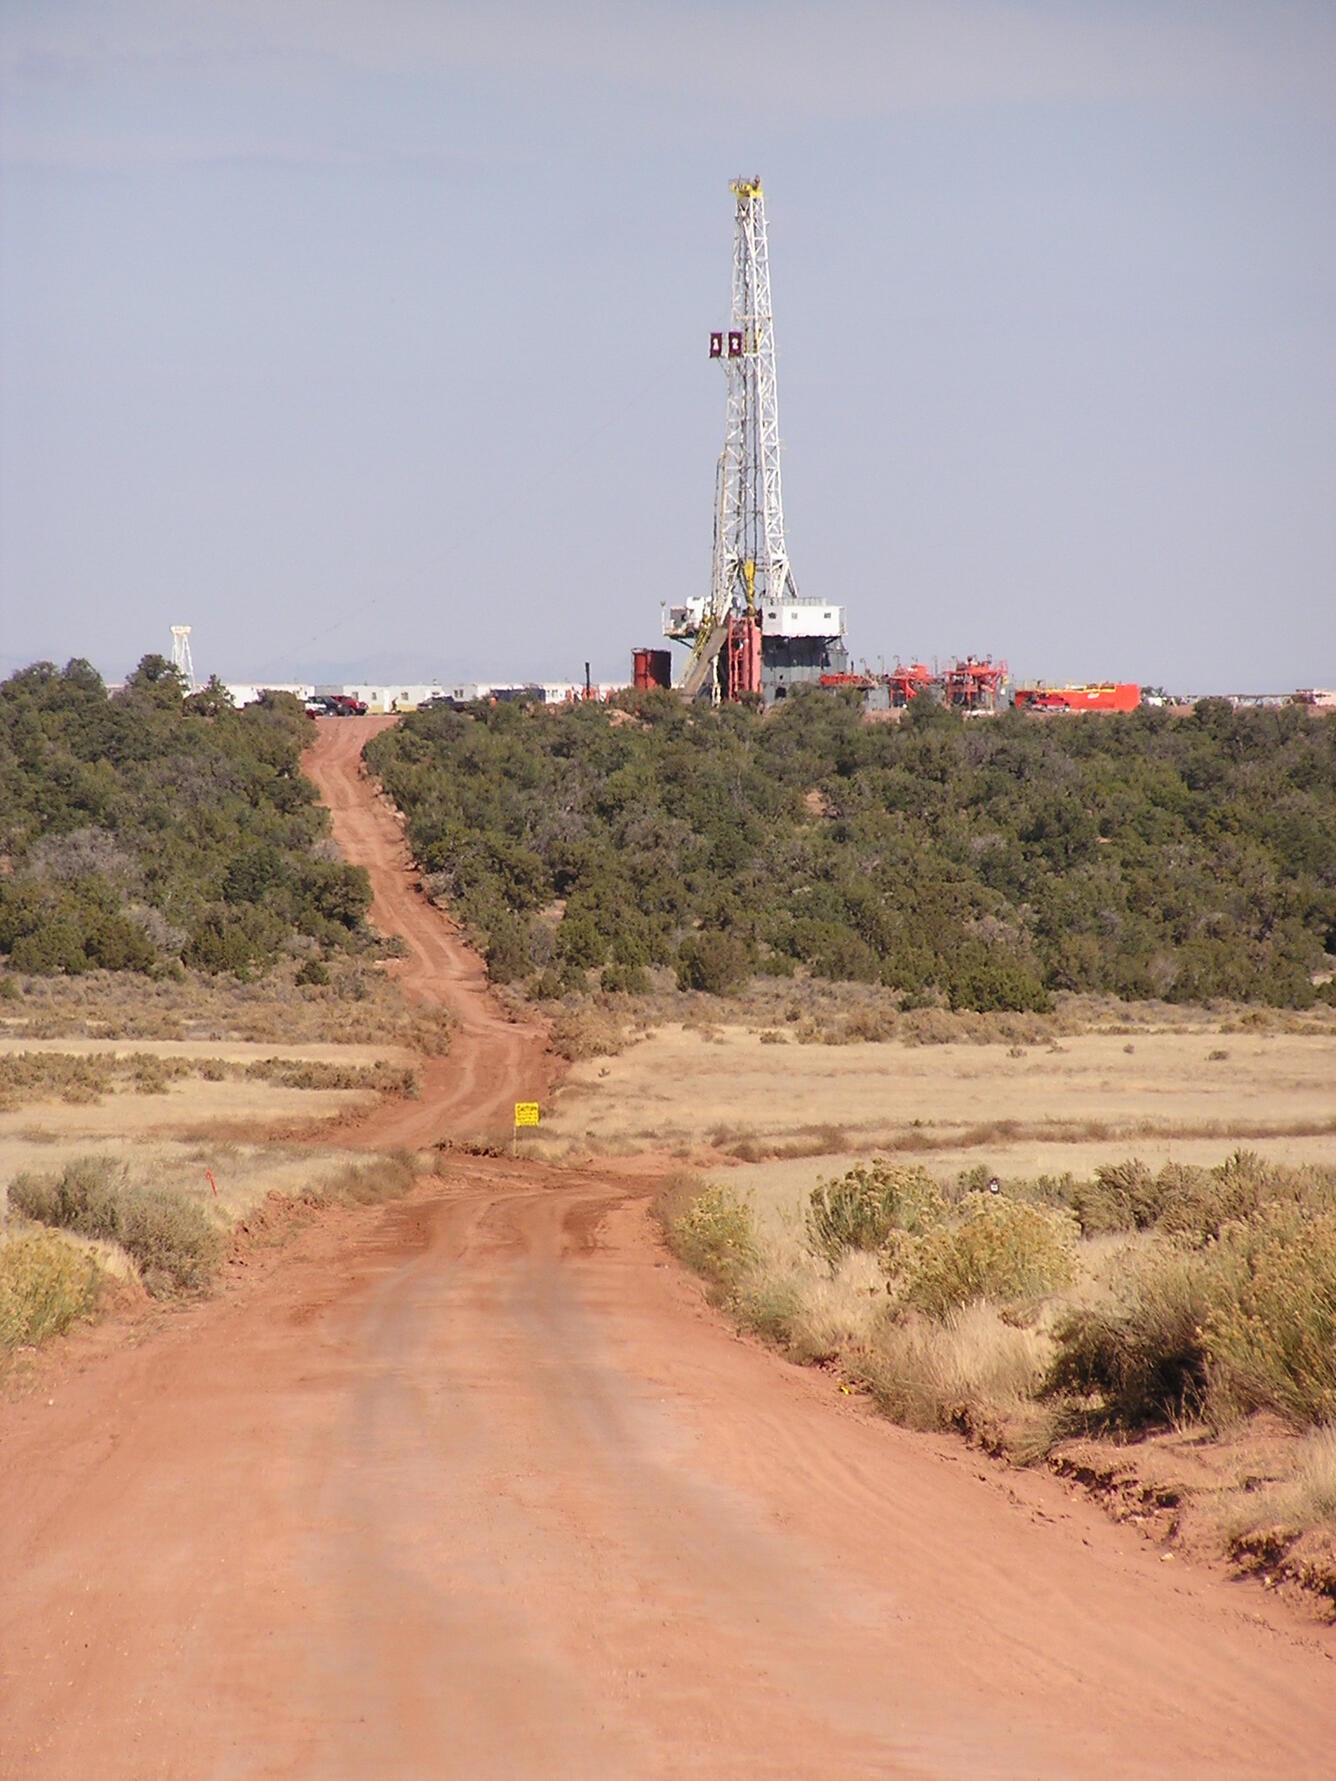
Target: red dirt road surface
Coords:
[[493, 1062], [475, 1485]]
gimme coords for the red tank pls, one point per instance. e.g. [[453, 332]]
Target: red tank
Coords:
[[651, 668]]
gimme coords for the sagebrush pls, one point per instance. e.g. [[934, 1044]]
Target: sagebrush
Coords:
[[169, 1237]]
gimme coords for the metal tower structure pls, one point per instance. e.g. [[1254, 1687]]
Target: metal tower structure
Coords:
[[181, 655], [751, 559], [753, 633]]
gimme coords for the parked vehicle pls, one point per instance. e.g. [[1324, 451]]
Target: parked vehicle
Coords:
[[335, 705]]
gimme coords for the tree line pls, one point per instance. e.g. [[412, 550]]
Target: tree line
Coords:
[[151, 829], [983, 864]]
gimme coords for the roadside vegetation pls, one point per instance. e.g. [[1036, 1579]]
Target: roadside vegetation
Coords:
[[152, 832], [67, 1233], [45, 1286], [85, 1077], [358, 1000], [1120, 1303], [1034, 1315], [951, 864]]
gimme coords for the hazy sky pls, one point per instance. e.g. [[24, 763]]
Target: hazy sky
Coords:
[[372, 336]]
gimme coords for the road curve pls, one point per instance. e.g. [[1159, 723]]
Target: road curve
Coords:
[[493, 1061]]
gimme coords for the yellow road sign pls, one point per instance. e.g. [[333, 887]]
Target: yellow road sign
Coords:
[[526, 1113]]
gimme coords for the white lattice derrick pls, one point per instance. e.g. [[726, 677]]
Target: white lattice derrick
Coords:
[[751, 563], [181, 655], [751, 579]]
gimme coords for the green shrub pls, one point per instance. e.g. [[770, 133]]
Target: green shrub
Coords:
[[630, 980], [860, 1209], [716, 963], [1145, 1363], [716, 1236], [1270, 1329], [998, 1249], [1122, 1197], [507, 950], [313, 972], [45, 1285], [169, 1238]]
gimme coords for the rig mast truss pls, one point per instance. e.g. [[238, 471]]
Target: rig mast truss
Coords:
[[181, 656], [752, 633], [751, 559]]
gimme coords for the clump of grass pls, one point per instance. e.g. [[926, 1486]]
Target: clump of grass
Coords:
[[381, 1178], [169, 1238], [714, 1232], [716, 1235], [998, 1249], [588, 1031], [1270, 1327], [1143, 1362], [861, 1208], [1306, 1499], [773, 1308], [45, 1286], [969, 1369], [750, 1147]]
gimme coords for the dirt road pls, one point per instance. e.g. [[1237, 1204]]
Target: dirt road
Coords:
[[476, 1486], [493, 1061]]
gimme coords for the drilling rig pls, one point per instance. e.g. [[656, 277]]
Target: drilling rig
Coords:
[[753, 635]]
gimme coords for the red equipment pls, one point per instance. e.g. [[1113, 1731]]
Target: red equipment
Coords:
[[906, 683], [651, 668], [742, 659], [974, 684], [1104, 695]]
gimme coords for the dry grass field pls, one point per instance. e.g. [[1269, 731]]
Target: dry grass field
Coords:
[[172, 1116], [58, 1097], [1188, 1091], [362, 1003]]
